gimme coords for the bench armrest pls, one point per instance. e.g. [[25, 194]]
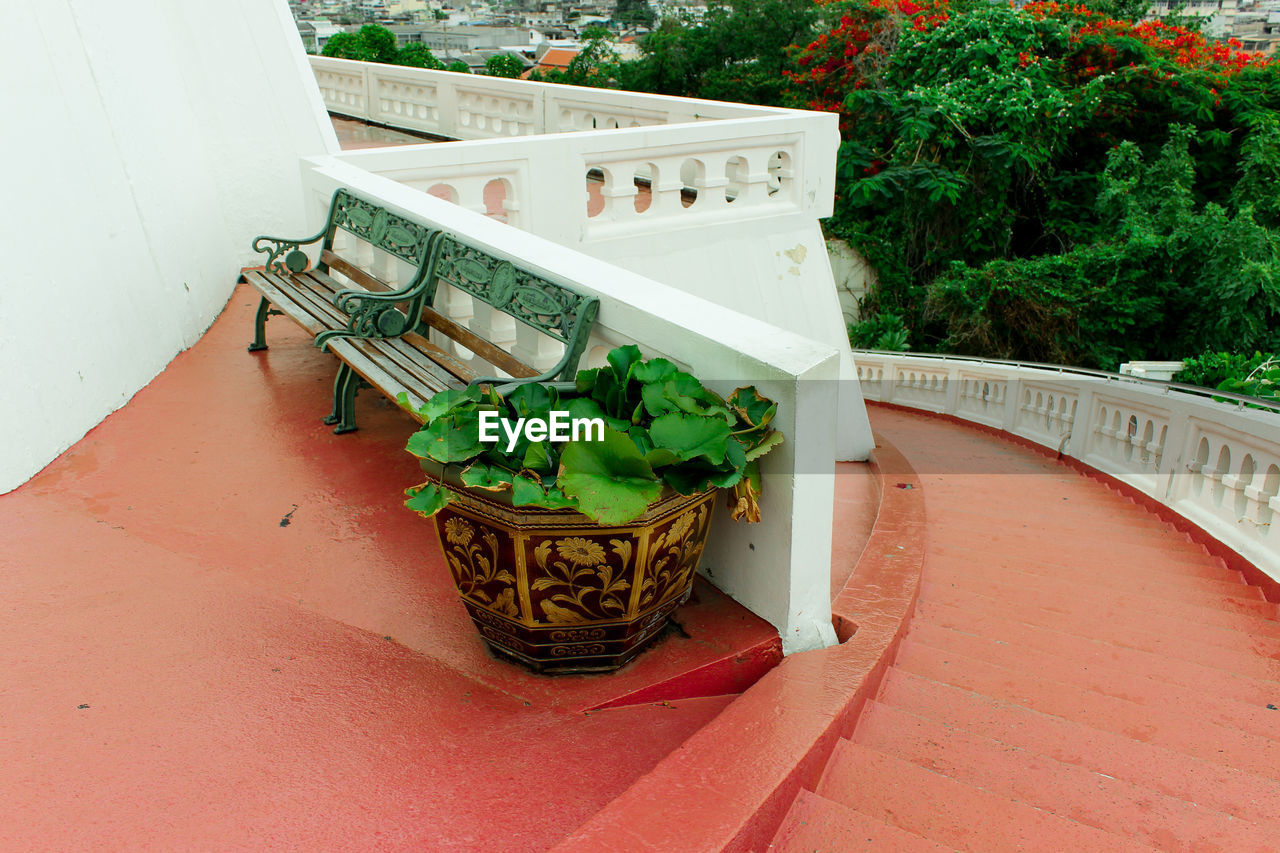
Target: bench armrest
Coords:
[[370, 315], [373, 314], [294, 260]]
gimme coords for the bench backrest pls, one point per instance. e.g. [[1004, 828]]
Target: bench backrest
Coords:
[[551, 308]]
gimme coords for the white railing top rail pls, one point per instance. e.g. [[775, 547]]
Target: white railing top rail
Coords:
[[1239, 400], [675, 109]]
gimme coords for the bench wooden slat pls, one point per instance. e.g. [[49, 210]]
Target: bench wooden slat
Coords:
[[369, 282], [380, 374], [282, 295], [494, 355], [405, 359]]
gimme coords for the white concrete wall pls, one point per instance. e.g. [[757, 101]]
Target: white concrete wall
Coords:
[[145, 143]]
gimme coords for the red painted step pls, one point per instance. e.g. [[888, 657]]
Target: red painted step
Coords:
[[1073, 528], [1181, 576], [1090, 651], [1229, 790], [1144, 689], [1086, 796], [1117, 624], [1165, 726], [1077, 533], [1055, 579], [950, 812], [999, 539], [1225, 610], [815, 824]]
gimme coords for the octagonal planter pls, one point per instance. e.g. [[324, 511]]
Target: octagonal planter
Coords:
[[559, 592]]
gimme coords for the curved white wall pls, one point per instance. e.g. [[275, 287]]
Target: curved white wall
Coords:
[[146, 143]]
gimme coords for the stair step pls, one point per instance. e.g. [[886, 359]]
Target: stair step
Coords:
[[1092, 651], [1049, 560], [950, 812], [1164, 726], [1029, 519], [1090, 580], [997, 538], [1085, 796], [1254, 718], [1171, 633], [815, 824], [1225, 789], [1225, 611]]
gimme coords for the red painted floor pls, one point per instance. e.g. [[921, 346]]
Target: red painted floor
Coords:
[[222, 630], [1078, 675]]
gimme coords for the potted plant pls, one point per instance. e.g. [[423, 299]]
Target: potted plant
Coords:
[[572, 515]]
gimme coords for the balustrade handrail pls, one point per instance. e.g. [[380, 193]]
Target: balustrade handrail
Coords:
[[1241, 400]]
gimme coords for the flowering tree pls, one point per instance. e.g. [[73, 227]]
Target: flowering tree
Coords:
[[982, 135]]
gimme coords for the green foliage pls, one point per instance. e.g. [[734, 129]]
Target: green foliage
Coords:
[[1050, 184], [1173, 276], [662, 428], [737, 51], [458, 67], [503, 65], [634, 13], [418, 55], [1255, 376], [371, 44], [882, 332]]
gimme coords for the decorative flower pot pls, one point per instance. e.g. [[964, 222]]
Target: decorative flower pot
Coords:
[[561, 593]]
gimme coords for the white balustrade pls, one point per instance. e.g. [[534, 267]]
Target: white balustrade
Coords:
[[666, 163], [1216, 463]]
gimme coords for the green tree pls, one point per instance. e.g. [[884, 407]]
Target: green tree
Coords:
[[458, 67], [503, 65], [737, 52], [418, 55], [371, 43], [634, 13]]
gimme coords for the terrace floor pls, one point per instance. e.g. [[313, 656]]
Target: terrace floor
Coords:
[[222, 629]]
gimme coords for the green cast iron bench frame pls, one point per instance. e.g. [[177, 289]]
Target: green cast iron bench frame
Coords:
[[380, 334]]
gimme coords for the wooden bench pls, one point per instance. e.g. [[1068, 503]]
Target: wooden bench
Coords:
[[382, 335]]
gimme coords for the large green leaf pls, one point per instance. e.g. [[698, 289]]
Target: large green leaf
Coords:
[[452, 438], [621, 359], [753, 408], [492, 478], [540, 457], [691, 436], [682, 393], [610, 480], [697, 476], [447, 400], [771, 440], [526, 491], [531, 398], [427, 499], [584, 407], [653, 370]]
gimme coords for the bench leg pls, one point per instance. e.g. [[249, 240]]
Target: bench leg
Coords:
[[260, 326], [345, 386]]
